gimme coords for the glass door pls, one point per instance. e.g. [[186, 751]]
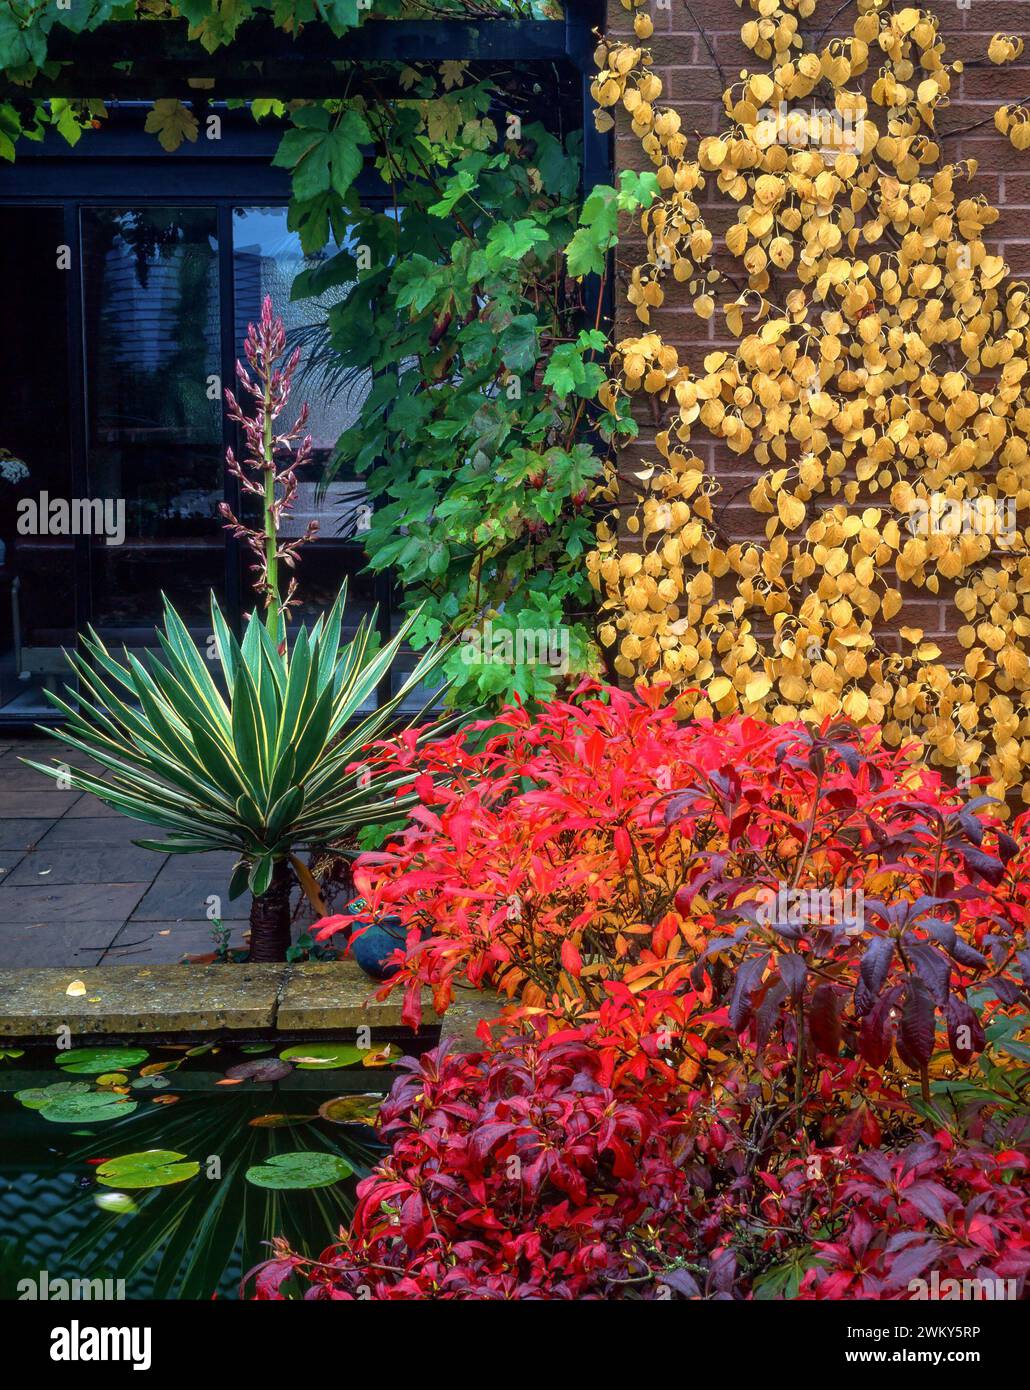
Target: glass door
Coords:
[[38, 511], [153, 416]]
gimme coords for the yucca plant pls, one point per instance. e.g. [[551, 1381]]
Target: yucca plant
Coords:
[[265, 761]]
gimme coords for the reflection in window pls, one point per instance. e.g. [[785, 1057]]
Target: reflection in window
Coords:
[[151, 305], [267, 257]]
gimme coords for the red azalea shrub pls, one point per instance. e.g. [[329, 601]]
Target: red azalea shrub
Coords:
[[516, 1173], [733, 945], [527, 1171], [603, 840]]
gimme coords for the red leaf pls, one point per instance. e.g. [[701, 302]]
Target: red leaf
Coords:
[[571, 960], [623, 846]]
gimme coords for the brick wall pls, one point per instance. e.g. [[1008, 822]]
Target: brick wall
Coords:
[[693, 86]]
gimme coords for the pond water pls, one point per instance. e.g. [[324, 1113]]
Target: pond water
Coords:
[[170, 1168]]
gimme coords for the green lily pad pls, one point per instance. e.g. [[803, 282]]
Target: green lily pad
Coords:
[[94, 1106], [94, 1061], [149, 1168], [112, 1078], [323, 1056], [360, 1109], [118, 1202], [38, 1096], [152, 1083], [313, 1169]]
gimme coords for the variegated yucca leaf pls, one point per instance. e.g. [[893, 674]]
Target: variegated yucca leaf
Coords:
[[256, 763]]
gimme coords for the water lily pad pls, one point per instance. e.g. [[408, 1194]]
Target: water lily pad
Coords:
[[261, 1069], [323, 1056], [38, 1096], [112, 1078], [252, 1048], [314, 1169], [360, 1109], [380, 1056], [120, 1203], [149, 1168], [156, 1068], [87, 1109], [152, 1083], [94, 1061], [278, 1121]]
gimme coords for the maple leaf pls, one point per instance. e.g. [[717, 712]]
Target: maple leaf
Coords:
[[171, 122]]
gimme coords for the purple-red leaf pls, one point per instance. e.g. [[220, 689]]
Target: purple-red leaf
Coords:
[[824, 1020], [917, 1028]]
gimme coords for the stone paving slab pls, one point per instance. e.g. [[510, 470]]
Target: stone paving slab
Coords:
[[46, 801], [15, 776], [88, 805], [49, 866], [165, 943], [179, 898], [98, 830], [73, 947], [67, 903], [21, 832]]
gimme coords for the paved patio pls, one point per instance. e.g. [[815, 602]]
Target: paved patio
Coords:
[[75, 891]]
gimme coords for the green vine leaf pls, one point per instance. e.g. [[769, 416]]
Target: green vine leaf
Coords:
[[172, 123]]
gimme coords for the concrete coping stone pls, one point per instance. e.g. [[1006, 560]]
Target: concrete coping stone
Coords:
[[141, 1001]]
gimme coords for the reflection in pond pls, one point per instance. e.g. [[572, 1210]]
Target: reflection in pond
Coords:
[[170, 1167]]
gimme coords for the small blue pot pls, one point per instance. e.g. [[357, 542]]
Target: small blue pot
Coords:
[[374, 947]]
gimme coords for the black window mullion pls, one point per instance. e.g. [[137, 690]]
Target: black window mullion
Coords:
[[77, 411], [230, 432]]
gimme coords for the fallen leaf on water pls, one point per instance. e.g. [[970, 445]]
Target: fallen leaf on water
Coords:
[[380, 1056], [230, 1081], [76, 987]]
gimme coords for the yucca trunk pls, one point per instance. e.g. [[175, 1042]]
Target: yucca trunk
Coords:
[[270, 917]]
